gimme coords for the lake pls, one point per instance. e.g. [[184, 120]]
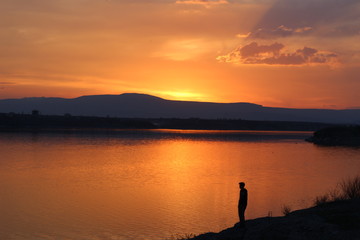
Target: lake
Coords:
[[154, 184]]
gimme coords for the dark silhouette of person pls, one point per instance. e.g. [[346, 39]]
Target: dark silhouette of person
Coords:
[[242, 203]]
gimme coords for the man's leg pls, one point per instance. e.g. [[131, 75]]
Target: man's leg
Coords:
[[242, 215]]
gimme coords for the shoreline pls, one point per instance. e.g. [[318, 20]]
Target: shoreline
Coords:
[[37, 122], [330, 221]]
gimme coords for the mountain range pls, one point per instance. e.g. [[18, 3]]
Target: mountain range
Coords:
[[133, 105]]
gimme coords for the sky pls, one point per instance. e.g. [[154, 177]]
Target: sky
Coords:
[[277, 53]]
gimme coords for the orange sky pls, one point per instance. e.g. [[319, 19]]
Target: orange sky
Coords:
[[281, 53]]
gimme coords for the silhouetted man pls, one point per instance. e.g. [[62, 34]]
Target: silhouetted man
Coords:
[[242, 203]]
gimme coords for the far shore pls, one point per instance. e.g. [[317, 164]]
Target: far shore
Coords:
[[38, 122]]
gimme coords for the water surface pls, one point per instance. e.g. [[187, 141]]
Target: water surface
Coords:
[[157, 183]]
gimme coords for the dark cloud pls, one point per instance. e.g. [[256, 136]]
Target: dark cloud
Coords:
[[278, 32], [341, 29], [253, 49], [341, 14], [275, 54]]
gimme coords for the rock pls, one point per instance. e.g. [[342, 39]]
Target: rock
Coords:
[[332, 221]]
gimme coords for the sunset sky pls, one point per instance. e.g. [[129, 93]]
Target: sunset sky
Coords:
[[280, 53]]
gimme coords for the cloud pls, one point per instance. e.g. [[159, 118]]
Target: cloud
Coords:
[[6, 83], [279, 32], [276, 54], [253, 49], [295, 14], [202, 2], [3, 85]]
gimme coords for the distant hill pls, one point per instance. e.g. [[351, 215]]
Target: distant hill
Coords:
[[132, 105]]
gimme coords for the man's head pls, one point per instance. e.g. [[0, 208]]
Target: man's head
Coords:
[[242, 185]]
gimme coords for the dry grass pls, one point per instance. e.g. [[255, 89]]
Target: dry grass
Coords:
[[286, 210], [351, 188], [347, 189], [182, 236]]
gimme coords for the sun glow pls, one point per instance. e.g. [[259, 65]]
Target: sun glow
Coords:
[[179, 95], [186, 49]]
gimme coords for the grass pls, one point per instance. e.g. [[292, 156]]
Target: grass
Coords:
[[286, 210], [182, 236], [351, 188], [348, 189]]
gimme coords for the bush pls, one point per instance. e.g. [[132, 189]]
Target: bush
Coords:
[[320, 200], [347, 190], [351, 188], [286, 210]]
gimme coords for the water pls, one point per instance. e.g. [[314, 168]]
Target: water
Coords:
[[155, 184]]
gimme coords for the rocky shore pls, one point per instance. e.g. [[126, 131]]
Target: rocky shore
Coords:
[[330, 221]]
